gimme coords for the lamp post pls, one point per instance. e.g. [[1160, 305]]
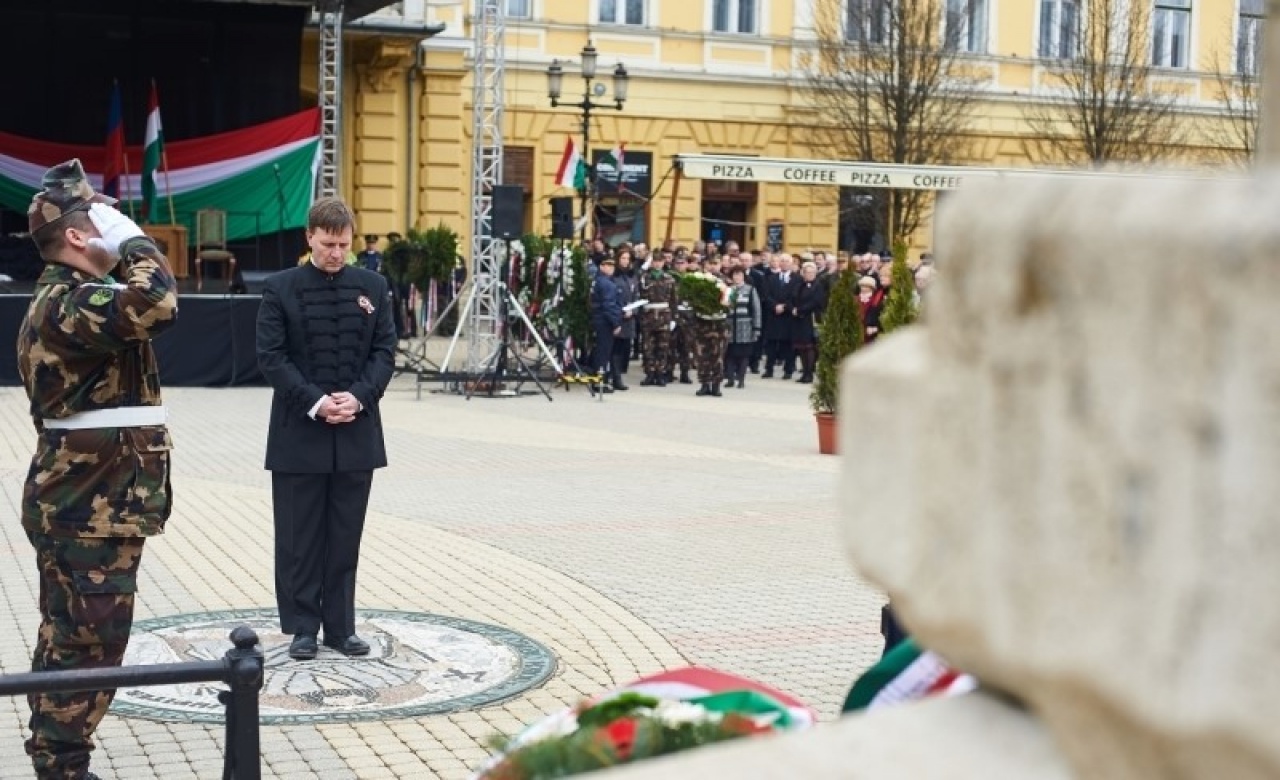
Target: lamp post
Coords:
[[555, 79]]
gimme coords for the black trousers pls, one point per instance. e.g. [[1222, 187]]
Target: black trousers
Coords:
[[319, 519], [603, 358], [780, 351]]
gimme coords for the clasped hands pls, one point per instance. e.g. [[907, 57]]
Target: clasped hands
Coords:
[[337, 408]]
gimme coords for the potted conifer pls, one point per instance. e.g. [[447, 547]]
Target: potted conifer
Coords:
[[899, 305], [840, 334]]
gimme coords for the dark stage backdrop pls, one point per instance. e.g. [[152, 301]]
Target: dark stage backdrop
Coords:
[[211, 345], [217, 66]]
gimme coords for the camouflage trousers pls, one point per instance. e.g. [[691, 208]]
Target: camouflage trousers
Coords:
[[656, 349], [710, 338], [87, 590], [681, 353]]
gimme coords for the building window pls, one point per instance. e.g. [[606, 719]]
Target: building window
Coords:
[[622, 11], [1249, 37], [868, 21], [520, 9], [1171, 34], [733, 16], [966, 25], [1059, 29]]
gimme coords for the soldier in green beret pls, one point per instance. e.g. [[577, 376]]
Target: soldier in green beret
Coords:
[[99, 479]]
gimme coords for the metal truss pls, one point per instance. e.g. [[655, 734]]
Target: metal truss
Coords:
[[329, 94], [483, 322]]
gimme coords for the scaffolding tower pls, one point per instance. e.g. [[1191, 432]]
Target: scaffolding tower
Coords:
[[329, 95], [483, 324]]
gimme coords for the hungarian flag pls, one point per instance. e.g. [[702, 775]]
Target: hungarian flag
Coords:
[[113, 157], [572, 171], [152, 154]]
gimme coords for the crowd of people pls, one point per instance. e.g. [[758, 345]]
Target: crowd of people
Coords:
[[769, 327]]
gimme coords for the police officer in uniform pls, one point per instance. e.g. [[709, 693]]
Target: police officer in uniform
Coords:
[[370, 258], [606, 319], [326, 344], [99, 479]]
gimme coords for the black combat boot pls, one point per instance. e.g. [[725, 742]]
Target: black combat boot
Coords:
[[715, 389], [684, 377], [741, 382], [647, 381], [661, 380], [704, 390]]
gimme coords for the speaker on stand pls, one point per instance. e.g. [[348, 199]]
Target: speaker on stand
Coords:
[[508, 211], [562, 218]]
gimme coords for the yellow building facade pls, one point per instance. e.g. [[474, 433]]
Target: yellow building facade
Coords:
[[707, 76]]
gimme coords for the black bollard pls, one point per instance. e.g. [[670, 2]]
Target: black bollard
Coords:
[[244, 671]]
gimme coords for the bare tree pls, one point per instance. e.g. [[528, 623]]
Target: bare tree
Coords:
[[1235, 135], [888, 85], [1106, 108]]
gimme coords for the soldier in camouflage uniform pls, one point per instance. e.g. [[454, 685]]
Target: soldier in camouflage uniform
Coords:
[[710, 336], [659, 288], [99, 479], [682, 337]]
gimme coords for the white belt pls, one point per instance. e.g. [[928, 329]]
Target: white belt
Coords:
[[657, 306], [119, 417]]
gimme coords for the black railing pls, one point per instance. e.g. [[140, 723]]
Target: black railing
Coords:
[[241, 669]]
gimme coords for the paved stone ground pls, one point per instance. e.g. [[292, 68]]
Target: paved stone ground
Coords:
[[653, 530]]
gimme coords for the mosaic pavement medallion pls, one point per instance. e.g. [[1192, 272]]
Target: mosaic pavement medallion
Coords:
[[420, 664]]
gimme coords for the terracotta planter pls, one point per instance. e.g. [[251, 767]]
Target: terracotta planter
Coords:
[[826, 432]]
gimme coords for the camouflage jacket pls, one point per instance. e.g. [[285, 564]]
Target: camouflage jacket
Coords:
[[86, 344], [657, 287]]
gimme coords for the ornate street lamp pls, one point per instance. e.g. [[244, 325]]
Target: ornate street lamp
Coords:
[[588, 60]]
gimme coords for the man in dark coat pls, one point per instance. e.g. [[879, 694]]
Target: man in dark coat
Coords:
[[778, 293], [326, 343], [606, 318]]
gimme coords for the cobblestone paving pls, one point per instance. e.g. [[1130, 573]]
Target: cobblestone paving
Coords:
[[650, 531]]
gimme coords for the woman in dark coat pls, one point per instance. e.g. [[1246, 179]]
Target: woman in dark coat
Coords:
[[625, 280], [744, 327], [805, 306]]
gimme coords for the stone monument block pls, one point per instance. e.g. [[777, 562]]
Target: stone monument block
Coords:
[[1069, 485]]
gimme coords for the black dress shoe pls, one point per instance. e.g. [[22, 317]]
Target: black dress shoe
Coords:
[[621, 387], [351, 645], [303, 647]]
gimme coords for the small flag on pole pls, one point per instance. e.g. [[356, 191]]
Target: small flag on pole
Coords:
[[615, 159], [112, 166], [152, 153], [572, 171]]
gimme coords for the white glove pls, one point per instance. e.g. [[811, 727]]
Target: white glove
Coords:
[[114, 226]]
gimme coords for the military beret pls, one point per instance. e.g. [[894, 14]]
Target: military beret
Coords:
[[65, 189]]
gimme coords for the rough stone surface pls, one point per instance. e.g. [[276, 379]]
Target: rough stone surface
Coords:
[[1075, 467]]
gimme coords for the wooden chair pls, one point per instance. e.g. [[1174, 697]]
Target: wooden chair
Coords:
[[211, 245]]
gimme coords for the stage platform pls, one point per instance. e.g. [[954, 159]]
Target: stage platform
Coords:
[[211, 345]]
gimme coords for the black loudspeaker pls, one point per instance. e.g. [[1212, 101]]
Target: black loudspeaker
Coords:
[[508, 211], [562, 218]]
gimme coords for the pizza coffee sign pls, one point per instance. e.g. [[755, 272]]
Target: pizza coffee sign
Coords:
[[840, 175]]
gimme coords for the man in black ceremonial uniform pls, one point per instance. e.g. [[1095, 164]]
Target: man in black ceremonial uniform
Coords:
[[326, 343]]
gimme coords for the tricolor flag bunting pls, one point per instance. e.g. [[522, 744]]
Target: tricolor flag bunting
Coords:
[[906, 673], [572, 171], [615, 159], [243, 172]]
